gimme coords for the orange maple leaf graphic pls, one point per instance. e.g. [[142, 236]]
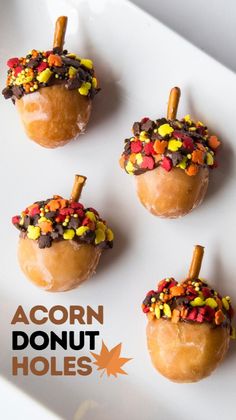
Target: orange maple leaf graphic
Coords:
[[109, 361]]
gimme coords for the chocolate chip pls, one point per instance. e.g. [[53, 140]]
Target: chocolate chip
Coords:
[[74, 223], [54, 235], [33, 63], [148, 125], [50, 214], [7, 92], [57, 50], [59, 229], [70, 62], [44, 241], [73, 83], [17, 91], [136, 128]]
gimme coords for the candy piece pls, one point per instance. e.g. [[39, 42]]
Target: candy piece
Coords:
[[86, 63], [165, 130], [213, 142], [167, 310], [174, 145], [72, 71], [157, 311], [54, 60], [192, 169], [81, 230], [13, 62], [44, 76], [69, 234], [197, 302], [33, 232], [148, 149], [219, 317], [43, 65], [167, 164], [225, 304], [211, 302], [91, 216], [136, 146], [198, 157], [100, 236], [85, 88], [109, 235], [210, 159], [129, 167], [148, 162], [160, 146]]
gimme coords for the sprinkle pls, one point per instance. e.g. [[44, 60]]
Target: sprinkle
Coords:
[[211, 302], [174, 145], [197, 302], [109, 235], [165, 129], [86, 63], [153, 299], [148, 162], [81, 230], [69, 234], [33, 232], [167, 164], [100, 236], [167, 310], [157, 311], [192, 169], [219, 317], [187, 119], [183, 163], [94, 82], [213, 142], [160, 146], [91, 216], [210, 160], [72, 71], [225, 304], [129, 168], [85, 88], [44, 76], [136, 146]]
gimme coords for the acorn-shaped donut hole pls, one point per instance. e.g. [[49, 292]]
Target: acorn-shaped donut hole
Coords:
[[189, 326], [52, 91], [170, 160], [61, 241]]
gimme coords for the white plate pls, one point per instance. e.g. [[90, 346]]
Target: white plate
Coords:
[[138, 60]]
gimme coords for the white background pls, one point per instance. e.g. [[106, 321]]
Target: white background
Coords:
[[209, 24]]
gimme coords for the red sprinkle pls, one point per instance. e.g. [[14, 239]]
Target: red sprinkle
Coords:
[[192, 314], [145, 119], [75, 205], [12, 62], [17, 70], [145, 309], [136, 146], [188, 144], [66, 211], [147, 163], [15, 220], [35, 210], [167, 164], [148, 149], [86, 221], [42, 66]]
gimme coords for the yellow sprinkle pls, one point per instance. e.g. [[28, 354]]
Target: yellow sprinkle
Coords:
[[41, 214], [94, 82], [64, 223], [157, 312], [71, 55], [44, 76], [187, 119], [233, 333], [174, 145], [199, 123], [161, 295], [91, 216], [167, 310], [210, 159], [69, 234], [151, 309], [161, 306], [81, 230], [211, 302], [197, 302], [86, 63], [129, 168], [183, 163], [33, 232], [153, 299], [72, 71], [225, 303], [143, 136], [42, 219], [139, 158], [165, 129], [110, 235], [84, 88], [100, 236], [100, 225], [75, 216]]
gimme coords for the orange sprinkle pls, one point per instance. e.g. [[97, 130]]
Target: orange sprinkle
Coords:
[[175, 316], [54, 60], [46, 226], [192, 169], [132, 158], [177, 291], [160, 146], [198, 157], [122, 162], [219, 317], [201, 147], [213, 142], [53, 205]]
